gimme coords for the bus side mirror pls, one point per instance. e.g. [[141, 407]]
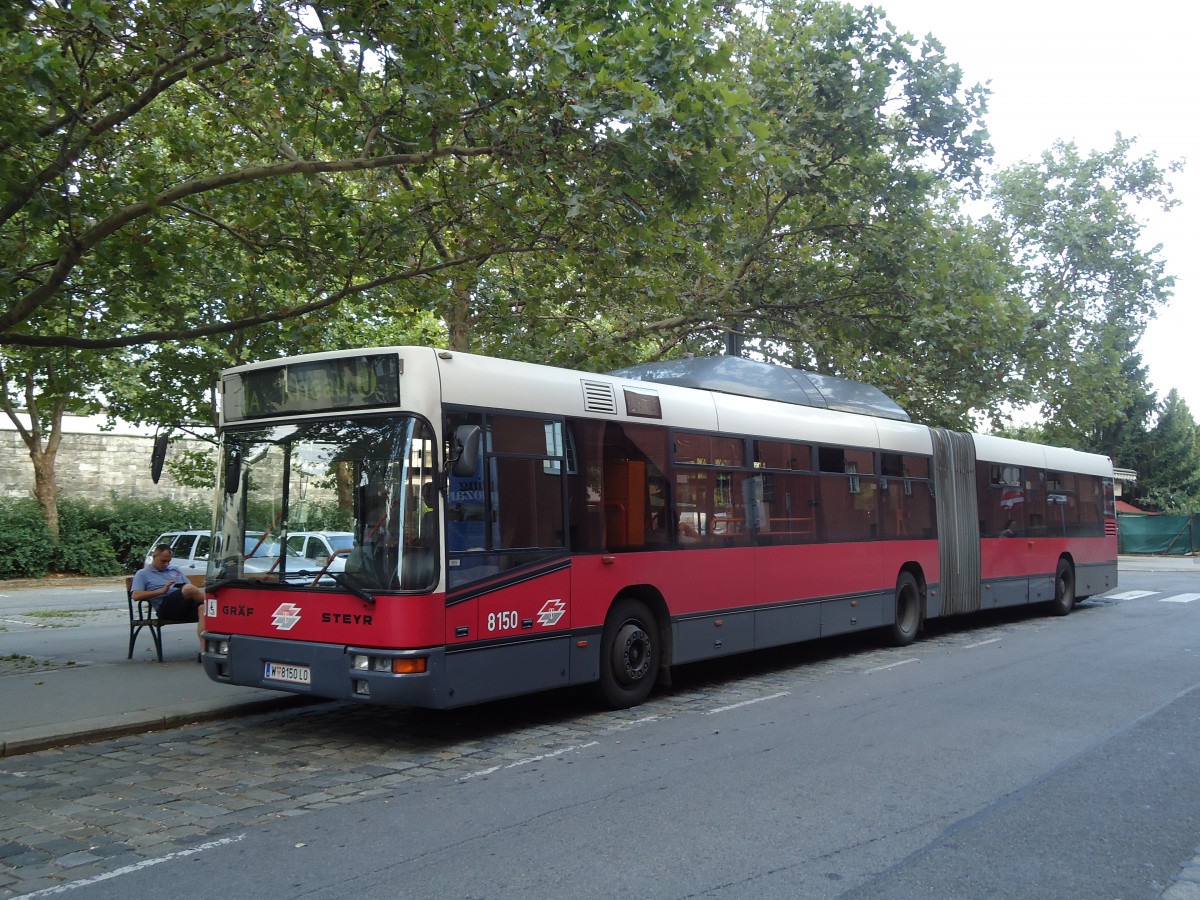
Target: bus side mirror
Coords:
[[233, 470], [158, 456], [464, 450]]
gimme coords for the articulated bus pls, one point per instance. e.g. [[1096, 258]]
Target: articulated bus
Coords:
[[518, 527]]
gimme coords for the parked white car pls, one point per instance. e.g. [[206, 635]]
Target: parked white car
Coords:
[[319, 546], [190, 551]]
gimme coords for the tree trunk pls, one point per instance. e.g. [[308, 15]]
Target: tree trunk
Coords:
[[459, 320], [343, 475], [45, 485], [42, 444]]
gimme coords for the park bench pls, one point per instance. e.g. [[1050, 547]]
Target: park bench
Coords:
[[142, 615]]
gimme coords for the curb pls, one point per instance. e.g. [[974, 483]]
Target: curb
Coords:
[[56, 581]]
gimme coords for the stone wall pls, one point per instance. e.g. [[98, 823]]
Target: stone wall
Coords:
[[95, 465]]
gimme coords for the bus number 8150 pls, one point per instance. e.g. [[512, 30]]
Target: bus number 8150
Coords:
[[503, 621]]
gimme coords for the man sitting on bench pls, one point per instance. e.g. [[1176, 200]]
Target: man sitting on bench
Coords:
[[170, 593]]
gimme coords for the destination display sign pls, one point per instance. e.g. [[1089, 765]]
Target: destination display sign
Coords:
[[347, 382]]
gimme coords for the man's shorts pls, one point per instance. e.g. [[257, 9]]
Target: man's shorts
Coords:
[[175, 606]]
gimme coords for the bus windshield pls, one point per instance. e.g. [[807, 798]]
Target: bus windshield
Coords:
[[374, 478]]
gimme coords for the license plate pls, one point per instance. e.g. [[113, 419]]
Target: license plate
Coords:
[[287, 672]]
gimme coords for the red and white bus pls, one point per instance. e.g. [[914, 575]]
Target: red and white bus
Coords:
[[518, 527]]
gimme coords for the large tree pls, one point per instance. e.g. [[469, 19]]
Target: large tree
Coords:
[[1169, 474], [191, 178], [823, 230], [353, 147], [1090, 281]]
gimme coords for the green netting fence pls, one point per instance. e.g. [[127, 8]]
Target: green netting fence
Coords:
[[1160, 535]]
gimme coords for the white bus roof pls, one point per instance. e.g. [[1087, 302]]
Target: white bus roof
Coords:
[[990, 448], [506, 385]]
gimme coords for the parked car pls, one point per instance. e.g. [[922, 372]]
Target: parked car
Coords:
[[319, 546], [191, 549]]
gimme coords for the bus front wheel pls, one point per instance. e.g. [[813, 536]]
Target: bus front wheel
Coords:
[[1064, 589], [628, 654]]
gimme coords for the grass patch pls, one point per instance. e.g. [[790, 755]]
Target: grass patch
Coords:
[[18, 663]]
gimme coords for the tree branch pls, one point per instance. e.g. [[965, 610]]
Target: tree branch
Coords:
[[68, 155], [80, 245], [17, 339]]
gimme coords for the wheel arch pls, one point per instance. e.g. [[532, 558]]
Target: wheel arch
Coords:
[[657, 604], [1069, 558]]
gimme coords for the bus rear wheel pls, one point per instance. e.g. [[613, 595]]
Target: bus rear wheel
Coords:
[[908, 611], [1064, 589], [628, 654]]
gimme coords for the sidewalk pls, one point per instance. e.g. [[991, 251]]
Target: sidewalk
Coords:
[[54, 707], [1159, 564], [67, 685], [69, 705], [55, 703]]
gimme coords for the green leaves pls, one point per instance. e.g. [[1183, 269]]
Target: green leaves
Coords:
[[1071, 221]]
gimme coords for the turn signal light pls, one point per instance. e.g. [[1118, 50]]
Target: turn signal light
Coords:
[[408, 666]]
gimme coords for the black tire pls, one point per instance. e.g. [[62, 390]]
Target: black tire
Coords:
[[629, 651], [908, 611], [1064, 589]]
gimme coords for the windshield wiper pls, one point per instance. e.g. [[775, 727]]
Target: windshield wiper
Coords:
[[342, 581]]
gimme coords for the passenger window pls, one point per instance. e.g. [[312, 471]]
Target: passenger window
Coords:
[[202, 547], [847, 500], [782, 455], [513, 514], [1009, 476], [709, 450], [528, 505], [831, 459]]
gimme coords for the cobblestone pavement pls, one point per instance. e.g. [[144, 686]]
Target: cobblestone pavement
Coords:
[[78, 813]]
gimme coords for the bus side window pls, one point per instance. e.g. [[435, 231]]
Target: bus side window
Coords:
[[584, 484], [529, 506], [625, 503], [466, 528], [1002, 500], [847, 495]]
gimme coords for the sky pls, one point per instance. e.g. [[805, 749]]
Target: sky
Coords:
[[1082, 71]]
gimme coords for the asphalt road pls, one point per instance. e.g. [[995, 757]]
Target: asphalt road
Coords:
[[82, 620]]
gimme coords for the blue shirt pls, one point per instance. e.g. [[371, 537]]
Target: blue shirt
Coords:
[[149, 578]]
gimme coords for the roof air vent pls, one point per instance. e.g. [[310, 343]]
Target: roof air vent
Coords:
[[599, 397]]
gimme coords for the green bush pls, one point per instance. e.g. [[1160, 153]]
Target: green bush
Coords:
[[84, 551], [112, 538], [132, 524], [24, 540], [96, 540]]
